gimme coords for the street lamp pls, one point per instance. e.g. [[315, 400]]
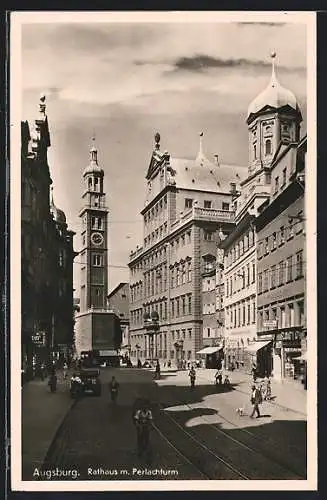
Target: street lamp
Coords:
[[151, 326]]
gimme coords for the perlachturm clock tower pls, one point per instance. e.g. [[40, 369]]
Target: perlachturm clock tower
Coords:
[[95, 324], [94, 223]]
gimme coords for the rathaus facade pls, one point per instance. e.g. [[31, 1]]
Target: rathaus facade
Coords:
[[188, 204]]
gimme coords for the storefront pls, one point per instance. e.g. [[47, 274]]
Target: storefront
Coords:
[[259, 355], [286, 352], [212, 356]]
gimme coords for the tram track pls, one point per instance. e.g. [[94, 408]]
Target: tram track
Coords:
[[216, 469], [272, 461]]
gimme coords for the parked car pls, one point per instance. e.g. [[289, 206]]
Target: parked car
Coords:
[[91, 381]]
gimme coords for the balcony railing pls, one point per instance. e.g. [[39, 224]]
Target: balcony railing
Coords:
[[213, 214]]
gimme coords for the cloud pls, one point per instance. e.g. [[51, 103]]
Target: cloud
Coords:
[[203, 61], [268, 24]]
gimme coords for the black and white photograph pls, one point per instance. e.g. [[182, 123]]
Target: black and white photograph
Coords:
[[163, 251]]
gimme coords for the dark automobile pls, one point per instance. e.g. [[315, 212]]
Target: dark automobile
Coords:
[[91, 382]]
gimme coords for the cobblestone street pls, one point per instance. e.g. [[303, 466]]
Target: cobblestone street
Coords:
[[197, 434]]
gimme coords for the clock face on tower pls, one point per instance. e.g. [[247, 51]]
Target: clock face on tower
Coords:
[[97, 239]]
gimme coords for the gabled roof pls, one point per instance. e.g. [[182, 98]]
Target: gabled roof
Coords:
[[203, 175], [116, 289]]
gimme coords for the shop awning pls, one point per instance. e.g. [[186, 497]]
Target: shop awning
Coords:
[[210, 350], [256, 346], [303, 357]]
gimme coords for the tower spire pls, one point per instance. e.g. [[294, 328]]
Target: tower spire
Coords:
[[201, 145], [93, 151], [201, 158], [273, 78]]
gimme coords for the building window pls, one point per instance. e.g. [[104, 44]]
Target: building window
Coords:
[[289, 273], [273, 276], [265, 280], [188, 202], [207, 235], [207, 204], [255, 152], [268, 147], [284, 177], [260, 283], [172, 307], [282, 235], [291, 319], [183, 274], [183, 305], [281, 280], [273, 241], [177, 307], [208, 332], [266, 246], [300, 306], [93, 223], [189, 272], [276, 184], [225, 206], [253, 312], [299, 264], [189, 298], [253, 271], [251, 238], [96, 260]]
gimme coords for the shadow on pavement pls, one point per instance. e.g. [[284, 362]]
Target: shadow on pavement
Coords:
[[95, 434]]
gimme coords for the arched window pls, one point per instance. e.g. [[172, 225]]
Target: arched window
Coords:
[[255, 152], [268, 147]]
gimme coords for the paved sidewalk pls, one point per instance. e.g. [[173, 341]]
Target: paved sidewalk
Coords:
[[287, 394], [42, 414]]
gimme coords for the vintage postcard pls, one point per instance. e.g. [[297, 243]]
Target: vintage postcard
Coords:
[[163, 239]]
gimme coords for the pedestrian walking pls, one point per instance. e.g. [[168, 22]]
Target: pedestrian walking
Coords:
[[254, 372], [256, 400], [218, 378], [42, 371], [226, 381], [268, 390], [192, 376], [113, 388], [157, 372], [143, 420], [53, 381], [76, 385]]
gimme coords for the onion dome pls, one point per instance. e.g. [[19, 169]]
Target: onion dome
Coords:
[[273, 96], [93, 166], [57, 214]]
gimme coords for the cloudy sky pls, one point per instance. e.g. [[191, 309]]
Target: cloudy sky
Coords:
[[125, 81]]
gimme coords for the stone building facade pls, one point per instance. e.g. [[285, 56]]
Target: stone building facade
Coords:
[[282, 263], [188, 202], [273, 121], [46, 253], [95, 325], [118, 302]]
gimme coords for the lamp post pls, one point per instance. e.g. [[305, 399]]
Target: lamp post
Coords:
[[151, 326]]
